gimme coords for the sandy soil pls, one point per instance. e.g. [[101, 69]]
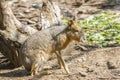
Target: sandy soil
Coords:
[[93, 64]]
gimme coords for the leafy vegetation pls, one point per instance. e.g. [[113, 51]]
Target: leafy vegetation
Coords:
[[102, 29]]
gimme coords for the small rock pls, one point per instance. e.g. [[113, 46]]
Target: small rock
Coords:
[[37, 5], [80, 47], [24, 0], [117, 7], [30, 22], [83, 74], [111, 65], [38, 26], [90, 69], [116, 72], [27, 11], [20, 15]]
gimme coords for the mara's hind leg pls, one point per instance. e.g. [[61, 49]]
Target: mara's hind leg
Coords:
[[34, 68], [61, 61], [37, 69]]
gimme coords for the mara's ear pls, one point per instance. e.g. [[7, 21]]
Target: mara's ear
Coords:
[[70, 22], [74, 18], [73, 22]]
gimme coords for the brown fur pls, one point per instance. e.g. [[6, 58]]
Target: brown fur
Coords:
[[40, 46]]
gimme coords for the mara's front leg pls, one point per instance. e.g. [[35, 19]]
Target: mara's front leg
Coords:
[[61, 62]]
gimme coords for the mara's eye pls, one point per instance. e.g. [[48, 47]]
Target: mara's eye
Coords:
[[75, 30]]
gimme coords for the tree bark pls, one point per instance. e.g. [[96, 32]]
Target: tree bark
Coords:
[[13, 33]]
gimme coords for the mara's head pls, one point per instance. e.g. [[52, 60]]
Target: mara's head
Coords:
[[75, 32]]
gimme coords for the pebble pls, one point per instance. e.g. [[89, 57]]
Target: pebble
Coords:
[[27, 11], [111, 65], [30, 22], [83, 74], [20, 15], [37, 5], [90, 69]]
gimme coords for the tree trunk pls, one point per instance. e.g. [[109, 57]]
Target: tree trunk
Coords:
[[13, 33]]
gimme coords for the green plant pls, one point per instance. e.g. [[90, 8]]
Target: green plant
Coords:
[[102, 29]]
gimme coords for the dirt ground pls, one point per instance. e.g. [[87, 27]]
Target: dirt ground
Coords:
[[92, 64]]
